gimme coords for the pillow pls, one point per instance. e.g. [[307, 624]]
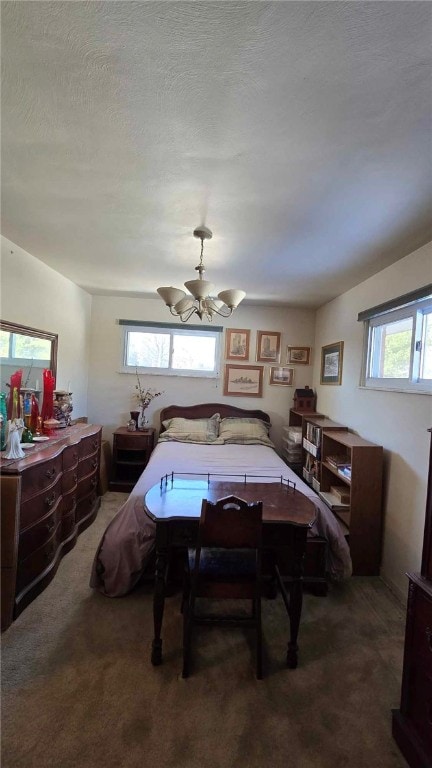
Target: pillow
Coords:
[[245, 431], [192, 430]]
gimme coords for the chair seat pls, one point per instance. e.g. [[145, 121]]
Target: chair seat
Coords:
[[224, 564]]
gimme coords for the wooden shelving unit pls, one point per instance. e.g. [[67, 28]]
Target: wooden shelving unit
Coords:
[[363, 515]]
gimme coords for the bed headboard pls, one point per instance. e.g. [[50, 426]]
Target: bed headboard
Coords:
[[205, 410]]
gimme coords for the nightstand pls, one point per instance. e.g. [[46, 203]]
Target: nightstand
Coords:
[[131, 452]]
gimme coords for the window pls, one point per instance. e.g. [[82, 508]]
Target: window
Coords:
[[398, 344], [171, 350], [20, 349]]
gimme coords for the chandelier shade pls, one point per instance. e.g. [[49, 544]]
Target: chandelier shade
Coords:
[[199, 301]]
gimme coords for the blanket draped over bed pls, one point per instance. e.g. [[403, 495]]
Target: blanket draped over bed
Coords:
[[128, 541]]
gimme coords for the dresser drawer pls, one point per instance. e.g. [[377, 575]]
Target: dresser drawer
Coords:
[[135, 441], [39, 561], [39, 506], [37, 535], [68, 524], [69, 480], [86, 486], [89, 445], [70, 457], [88, 466], [40, 477], [69, 501], [85, 506]]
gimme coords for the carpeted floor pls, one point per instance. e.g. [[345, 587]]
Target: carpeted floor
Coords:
[[78, 688]]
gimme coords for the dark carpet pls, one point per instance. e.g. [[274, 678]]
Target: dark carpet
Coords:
[[78, 688]]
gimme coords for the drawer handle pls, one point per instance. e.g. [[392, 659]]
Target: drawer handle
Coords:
[[49, 501], [429, 638], [50, 473], [95, 443], [94, 482], [50, 526], [75, 477], [75, 456]]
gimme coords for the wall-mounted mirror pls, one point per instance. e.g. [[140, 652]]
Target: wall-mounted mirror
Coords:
[[29, 349]]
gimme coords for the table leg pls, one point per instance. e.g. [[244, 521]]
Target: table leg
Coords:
[[296, 602], [159, 604]]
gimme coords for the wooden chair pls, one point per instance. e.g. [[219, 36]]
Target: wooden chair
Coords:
[[226, 564]]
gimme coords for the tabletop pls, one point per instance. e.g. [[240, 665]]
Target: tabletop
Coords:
[[182, 498]]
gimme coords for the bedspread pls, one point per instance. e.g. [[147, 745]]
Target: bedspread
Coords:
[[129, 538]]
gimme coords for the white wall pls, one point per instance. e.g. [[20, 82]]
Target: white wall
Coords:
[[396, 420], [35, 295], [111, 394]]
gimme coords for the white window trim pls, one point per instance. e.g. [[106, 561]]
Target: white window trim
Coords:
[[164, 328], [413, 384]]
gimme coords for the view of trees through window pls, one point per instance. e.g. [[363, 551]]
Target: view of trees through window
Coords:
[[19, 347], [396, 349], [171, 350], [401, 346]]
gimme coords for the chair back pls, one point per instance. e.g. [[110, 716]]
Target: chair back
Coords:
[[230, 523]]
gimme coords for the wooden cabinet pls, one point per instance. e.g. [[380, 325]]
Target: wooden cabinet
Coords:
[[362, 487], [412, 723], [131, 452], [47, 499]]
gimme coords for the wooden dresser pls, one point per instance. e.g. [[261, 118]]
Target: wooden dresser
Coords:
[[412, 723], [47, 499]]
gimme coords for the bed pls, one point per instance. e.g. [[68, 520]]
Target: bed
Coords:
[[227, 441]]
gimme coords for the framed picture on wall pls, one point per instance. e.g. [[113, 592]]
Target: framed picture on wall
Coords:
[[237, 344], [268, 346], [331, 363], [298, 355], [243, 380], [281, 376]]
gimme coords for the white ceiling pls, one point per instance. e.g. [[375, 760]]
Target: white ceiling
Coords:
[[299, 132]]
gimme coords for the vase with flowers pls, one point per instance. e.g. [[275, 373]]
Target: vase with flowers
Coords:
[[144, 397]]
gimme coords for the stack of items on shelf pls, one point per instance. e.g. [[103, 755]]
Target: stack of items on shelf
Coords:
[[341, 463], [311, 470], [292, 445], [312, 440], [337, 498]]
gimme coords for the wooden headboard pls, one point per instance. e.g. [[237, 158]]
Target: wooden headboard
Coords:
[[205, 410]]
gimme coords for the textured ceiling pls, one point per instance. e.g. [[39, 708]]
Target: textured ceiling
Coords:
[[299, 132]]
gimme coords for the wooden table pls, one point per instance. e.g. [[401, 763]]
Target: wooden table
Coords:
[[175, 506]]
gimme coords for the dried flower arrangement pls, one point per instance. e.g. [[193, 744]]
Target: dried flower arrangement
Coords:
[[144, 396]]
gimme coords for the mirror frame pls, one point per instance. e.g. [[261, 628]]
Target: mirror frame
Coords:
[[26, 331]]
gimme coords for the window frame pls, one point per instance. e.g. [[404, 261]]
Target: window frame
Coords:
[[416, 309], [128, 326]]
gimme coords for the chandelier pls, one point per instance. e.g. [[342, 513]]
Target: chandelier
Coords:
[[200, 302]]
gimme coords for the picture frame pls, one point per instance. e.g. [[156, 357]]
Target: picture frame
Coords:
[[268, 346], [237, 341], [298, 355], [331, 363], [281, 376], [243, 380]]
